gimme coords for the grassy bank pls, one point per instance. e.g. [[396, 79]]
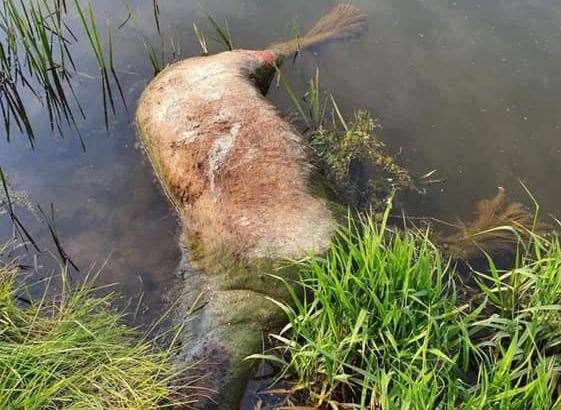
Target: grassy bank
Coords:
[[75, 352], [388, 323]]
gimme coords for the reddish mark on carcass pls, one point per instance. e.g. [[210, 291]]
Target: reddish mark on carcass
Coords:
[[266, 57]]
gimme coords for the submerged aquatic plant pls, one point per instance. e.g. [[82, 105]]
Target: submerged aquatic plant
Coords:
[[348, 151], [379, 326], [357, 144], [498, 226]]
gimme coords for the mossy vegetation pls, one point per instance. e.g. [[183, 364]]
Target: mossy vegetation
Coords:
[[74, 351], [341, 150], [351, 155], [381, 326]]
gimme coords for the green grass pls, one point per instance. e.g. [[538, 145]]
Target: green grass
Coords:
[[380, 326], [222, 32], [75, 352]]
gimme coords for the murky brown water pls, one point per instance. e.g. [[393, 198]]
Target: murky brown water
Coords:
[[471, 89]]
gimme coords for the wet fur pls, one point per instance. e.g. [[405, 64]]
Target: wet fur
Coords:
[[235, 169], [240, 179]]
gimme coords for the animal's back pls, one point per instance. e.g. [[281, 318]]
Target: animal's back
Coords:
[[236, 170]]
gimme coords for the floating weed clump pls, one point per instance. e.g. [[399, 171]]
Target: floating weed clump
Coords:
[[378, 326], [340, 150], [75, 352], [349, 152], [498, 226]]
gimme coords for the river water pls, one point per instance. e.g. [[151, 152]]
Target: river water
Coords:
[[468, 88]]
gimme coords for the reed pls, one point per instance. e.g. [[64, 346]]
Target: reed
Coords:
[[223, 33], [7, 204], [156, 12], [36, 58], [90, 27], [201, 38]]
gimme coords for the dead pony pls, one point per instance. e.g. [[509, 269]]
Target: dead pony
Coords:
[[241, 181]]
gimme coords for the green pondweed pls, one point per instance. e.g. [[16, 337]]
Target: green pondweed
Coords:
[[349, 151]]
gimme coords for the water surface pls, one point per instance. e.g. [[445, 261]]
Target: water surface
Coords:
[[471, 89]]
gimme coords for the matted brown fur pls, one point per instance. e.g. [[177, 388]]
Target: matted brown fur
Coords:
[[236, 170], [239, 176]]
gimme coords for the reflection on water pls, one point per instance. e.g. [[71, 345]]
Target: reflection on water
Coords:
[[471, 89]]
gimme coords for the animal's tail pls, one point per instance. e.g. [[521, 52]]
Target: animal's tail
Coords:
[[342, 22]]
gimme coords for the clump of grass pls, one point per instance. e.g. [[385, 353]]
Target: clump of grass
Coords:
[[379, 326], [222, 32], [219, 34], [35, 47], [75, 352], [160, 55]]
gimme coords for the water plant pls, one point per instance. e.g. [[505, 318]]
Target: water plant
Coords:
[[8, 202], [381, 324], [105, 64], [498, 226], [223, 33], [349, 151], [356, 144], [160, 55]]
